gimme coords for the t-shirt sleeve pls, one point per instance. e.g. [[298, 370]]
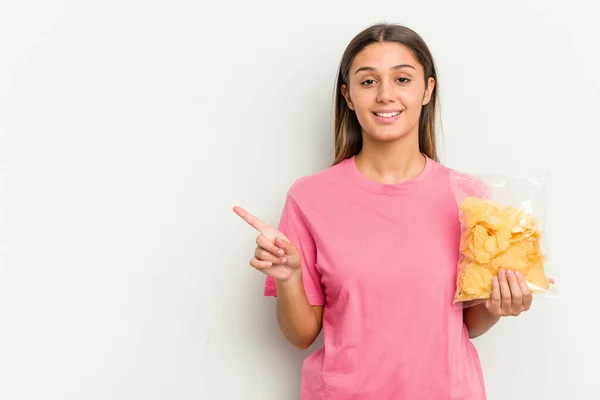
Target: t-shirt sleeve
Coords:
[[465, 185], [293, 225], [481, 189]]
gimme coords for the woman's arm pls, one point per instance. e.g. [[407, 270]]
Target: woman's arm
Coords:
[[299, 321], [510, 297], [478, 320]]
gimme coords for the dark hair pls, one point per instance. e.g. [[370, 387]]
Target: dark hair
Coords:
[[347, 129]]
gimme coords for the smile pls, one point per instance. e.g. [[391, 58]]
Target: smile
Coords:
[[387, 114], [388, 117]]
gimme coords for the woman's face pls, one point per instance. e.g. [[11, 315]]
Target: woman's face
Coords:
[[386, 89]]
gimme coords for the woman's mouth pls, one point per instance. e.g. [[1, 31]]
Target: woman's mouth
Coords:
[[387, 117]]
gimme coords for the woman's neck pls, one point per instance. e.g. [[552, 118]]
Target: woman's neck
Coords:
[[390, 162]]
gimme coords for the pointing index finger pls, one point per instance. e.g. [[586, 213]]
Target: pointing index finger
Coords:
[[251, 219], [268, 231]]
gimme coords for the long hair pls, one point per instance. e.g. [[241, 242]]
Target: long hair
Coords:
[[347, 129]]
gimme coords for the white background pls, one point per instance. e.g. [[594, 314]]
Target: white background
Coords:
[[128, 130]]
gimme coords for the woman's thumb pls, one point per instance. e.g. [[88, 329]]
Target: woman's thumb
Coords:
[[285, 245]]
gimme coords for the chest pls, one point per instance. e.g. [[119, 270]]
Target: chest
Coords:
[[390, 247]]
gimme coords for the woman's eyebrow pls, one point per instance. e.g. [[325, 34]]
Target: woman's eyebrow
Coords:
[[396, 67]]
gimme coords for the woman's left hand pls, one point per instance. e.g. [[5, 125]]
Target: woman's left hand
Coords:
[[510, 294]]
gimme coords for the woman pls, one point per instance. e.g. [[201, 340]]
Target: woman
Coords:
[[367, 248]]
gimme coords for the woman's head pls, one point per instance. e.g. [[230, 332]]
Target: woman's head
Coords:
[[386, 90]]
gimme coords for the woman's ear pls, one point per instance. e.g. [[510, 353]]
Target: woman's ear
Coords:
[[346, 95], [428, 91]]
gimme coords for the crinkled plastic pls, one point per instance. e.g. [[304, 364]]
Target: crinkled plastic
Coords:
[[502, 220]]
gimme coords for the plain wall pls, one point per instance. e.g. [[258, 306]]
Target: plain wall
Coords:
[[128, 130]]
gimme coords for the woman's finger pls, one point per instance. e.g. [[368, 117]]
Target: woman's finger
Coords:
[[264, 255], [259, 264], [527, 295], [515, 292], [504, 292], [263, 242], [262, 227], [268, 251], [252, 220], [495, 303]]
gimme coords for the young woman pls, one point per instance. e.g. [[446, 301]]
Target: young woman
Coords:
[[367, 249]]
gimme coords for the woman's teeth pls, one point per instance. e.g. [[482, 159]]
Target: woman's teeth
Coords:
[[387, 115]]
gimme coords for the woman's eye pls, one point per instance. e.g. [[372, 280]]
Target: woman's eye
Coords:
[[369, 82]]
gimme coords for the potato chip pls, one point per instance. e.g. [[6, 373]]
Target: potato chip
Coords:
[[475, 281], [497, 236], [491, 245]]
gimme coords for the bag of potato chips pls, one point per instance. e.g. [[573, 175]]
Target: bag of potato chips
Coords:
[[502, 226]]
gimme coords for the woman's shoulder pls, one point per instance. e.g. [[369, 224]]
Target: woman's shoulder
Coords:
[[319, 182], [463, 183], [448, 173], [441, 168]]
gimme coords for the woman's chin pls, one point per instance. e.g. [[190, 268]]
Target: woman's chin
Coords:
[[387, 135]]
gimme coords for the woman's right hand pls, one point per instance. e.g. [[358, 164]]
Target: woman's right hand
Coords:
[[274, 254]]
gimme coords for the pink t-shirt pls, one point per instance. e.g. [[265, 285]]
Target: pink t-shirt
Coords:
[[382, 260]]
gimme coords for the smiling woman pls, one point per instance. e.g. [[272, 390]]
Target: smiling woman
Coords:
[[367, 249], [390, 72]]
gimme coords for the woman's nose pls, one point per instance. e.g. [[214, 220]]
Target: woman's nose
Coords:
[[385, 93]]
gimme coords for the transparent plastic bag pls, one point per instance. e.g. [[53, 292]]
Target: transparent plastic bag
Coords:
[[502, 220]]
